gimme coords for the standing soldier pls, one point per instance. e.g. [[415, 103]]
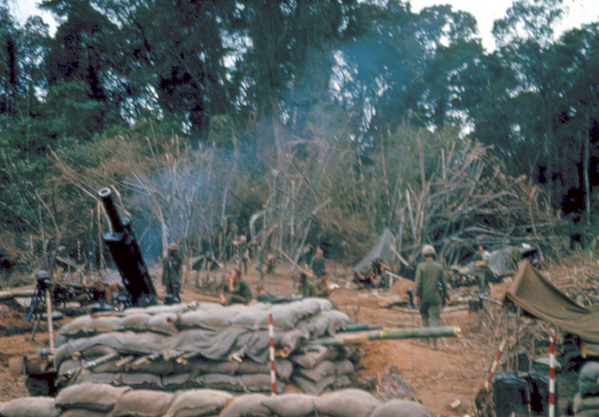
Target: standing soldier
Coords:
[[242, 254], [481, 268], [172, 269], [431, 289], [317, 265]]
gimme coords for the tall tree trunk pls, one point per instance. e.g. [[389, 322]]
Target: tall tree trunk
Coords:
[[585, 162]]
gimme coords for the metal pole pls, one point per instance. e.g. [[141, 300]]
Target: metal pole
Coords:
[[552, 337], [49, 313], [273, 378]]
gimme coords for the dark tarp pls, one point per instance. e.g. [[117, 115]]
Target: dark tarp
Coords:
[[536, 295], [381, 250]]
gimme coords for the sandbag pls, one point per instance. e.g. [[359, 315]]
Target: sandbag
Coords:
[[164, 323], [402, 408], [176, 382], [143, 403], [585, 404], [85, 376], [134, 322], [346, 403], [198, 403], [202, 320], [159, 309], [77, 412], [314, 387], [342, 381], [587, 379], [242, 383], [81, 326], [246, 406], [93, 397], [106, 324], [320, 371], [292, 339], [30, 407], [141, 381], [316, 355], [344, 367], [290, 405]]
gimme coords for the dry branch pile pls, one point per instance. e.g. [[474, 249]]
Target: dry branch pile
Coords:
[[469, 201]]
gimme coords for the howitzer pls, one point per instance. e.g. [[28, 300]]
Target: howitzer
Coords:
[[126, 254], [351, 339]]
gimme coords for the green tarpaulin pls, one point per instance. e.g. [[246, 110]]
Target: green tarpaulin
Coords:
[[536, 295]]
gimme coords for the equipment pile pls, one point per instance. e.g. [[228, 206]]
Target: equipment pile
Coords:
[[208, 346]]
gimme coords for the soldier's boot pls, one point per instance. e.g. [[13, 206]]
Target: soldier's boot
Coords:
[[433, 343]]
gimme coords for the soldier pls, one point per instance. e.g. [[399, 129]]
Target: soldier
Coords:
[[323, 289], [234, 290], [243, 253], [481, 268], [172, 269], [306, 289], [431, 289], [262, 296], [317, 264]]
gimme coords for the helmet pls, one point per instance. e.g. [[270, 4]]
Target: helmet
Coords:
[[243, 239], [173, 246], [428, 250], [42, 274]]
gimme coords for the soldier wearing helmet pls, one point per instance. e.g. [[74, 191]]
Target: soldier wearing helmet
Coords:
[[431, 287], [172, 268], [242, 253]]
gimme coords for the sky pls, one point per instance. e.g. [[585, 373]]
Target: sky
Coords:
[[578, 12]]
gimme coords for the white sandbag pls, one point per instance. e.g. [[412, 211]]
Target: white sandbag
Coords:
[[246, 406], [164, 323], [320, 371], [290, 405], [202, 320], [176, 382], [78, 412], [313, 387], [80, 327], [30, 407], [106, 324], [89, 396], [134, 322], [342, 381], [402, 408], [85, 376], [198, 403], [344, 367], [143, 403], [314, 356], [346, 403]]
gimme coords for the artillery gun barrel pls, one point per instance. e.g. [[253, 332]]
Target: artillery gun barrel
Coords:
[[127, 256], [357, 338]]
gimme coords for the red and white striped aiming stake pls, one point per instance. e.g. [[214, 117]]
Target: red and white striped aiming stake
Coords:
[[494, 366], [273, 378], [552, 337]]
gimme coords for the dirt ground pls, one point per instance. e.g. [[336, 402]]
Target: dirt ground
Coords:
[[455, 371]]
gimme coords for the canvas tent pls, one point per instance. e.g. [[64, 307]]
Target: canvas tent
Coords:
[[382, 250], [536, 295]]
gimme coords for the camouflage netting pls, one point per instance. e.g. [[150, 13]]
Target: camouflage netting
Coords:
[[100, 400], [208, 346]]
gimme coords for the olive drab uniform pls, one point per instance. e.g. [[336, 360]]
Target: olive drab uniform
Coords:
[[431, 282], [483, 272], [318, 266], [172, 269], [306, 290], [241, 294]]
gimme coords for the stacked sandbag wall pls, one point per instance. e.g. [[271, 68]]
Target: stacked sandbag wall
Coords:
[[586, 400], [208, 346], [102, 400]]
